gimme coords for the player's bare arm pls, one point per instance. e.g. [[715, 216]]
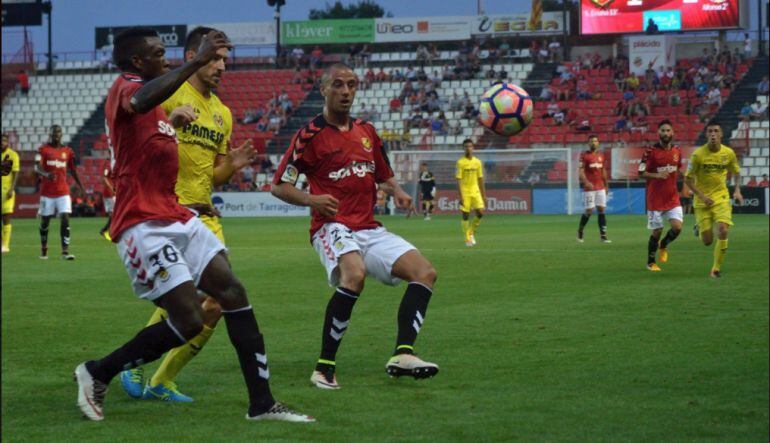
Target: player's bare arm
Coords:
[[606, 178], [108, 184], [182, 116], [460, 188], [40, 171], [226, 165], [654, 175], [690, 182], [156, 91], [737, 195], [74, 172], [14, 176], [324, 204], [482, 188], [401, 198], [586, 183]]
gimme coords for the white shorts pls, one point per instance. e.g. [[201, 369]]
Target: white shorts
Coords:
[[592, 199], [50, 206], [109, 204], [160, 255], [379, 248], [655, 219]]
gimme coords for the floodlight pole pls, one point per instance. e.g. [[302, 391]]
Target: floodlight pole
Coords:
[[760, 37], [47, 8], [277, 33]]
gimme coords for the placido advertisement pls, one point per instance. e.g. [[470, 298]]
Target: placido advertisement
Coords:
[[499, 201]]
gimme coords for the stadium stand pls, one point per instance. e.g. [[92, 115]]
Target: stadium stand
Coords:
[[751, 138]]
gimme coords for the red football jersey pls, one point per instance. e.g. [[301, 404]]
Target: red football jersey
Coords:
[[145, 160], [662, 195], [55, 161], [344, 164], [593, 166], [106, 193]]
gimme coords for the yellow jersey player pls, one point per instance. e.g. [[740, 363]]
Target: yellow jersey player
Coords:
[[11, 158], [706, 177], [470, 182], [203, 126]]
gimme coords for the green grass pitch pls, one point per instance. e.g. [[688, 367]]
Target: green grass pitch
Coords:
[[539, 338]]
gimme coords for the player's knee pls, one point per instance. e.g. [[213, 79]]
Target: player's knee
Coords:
[[212, 312], [190, 326], [234, 295], [427, 275]]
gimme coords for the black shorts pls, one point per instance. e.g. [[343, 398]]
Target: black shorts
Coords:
[[427, 196]]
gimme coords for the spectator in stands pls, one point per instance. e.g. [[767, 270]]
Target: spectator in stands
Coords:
[[636, 107], [746, 46], [447, 73], [562, 94], [381, 76], [714, 96], [469, 110], [353, 59], [534, 178], [397, 76], [251, 116], [423, 55], [551, 109], [369, 78], [363, 55], [297, 54], [558, 118], [758, 111], [23, 78], [502, 74], [372, 114], [316, 56], [703, 111], [621, 124], [546, 93], [621, 108], [571, 118], [247, 176], [285, 102], [639, 124], [491, 74], [583, 125], [763, 87], [410, 73], [689, 109], [619, 78], [582, 90], [764, 183], [632, 82], [438, 124], [745, 113], [701, 87], [534, 51], [266, 166], [652, 99], [673, 98], [503, 49], [752, 183], [262, 124], [544, 51], [297, 78], [274, 124], [395, 104]]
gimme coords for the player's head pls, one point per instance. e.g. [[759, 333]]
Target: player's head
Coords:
[[140, 50], [211, 74], [593, 142], [665, 131], [423, 166], [714, 133], [468, 146], [338, 86], [6, 143], [55, 134]]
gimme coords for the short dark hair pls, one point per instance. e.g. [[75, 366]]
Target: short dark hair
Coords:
[[195, 37], [127, 44], [467, 140], [592, 136], [665, 121], [713, 123], [336, 65], [53, 127]]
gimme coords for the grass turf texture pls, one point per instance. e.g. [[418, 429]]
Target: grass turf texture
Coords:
[[539, 338]]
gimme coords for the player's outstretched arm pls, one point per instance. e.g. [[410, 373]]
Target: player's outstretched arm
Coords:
[[236, 158], [324, 204], [704, 198], [156, 91], [400, 197]]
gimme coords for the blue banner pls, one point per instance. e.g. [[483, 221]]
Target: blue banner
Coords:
[[619, 201]]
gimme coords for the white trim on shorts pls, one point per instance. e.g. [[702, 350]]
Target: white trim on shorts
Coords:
[[592, 199], [655, 219], [109, 204], [380, 250], [161, 255], [50, 206]]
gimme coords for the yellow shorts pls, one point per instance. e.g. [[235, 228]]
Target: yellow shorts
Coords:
[[214, 226], [471, 202], [706, 216], [8, 203]]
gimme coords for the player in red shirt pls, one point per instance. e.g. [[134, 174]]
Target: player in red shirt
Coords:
[[344, 161], [168, 252], [593, 175], [53, 160], [660, 165], [108, 197]]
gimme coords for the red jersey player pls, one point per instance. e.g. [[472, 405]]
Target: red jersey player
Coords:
[[344, 160], [52, 163], [593, 175], [167, 251], [660, 165]]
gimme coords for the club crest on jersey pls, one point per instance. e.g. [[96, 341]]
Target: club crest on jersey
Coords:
[[676, 157], [64, 155], [218, 120], [367, 144]]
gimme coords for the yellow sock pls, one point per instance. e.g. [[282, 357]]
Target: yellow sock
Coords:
[[157, 316], [476, 223], [720, 250], [177, 358], [6, 236], [465, 224]]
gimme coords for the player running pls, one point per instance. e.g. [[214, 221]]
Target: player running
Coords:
[[344, 160], [167, 251], [469, 173], [108, 195], [706, 176], [593, 174], [9, 190], [660, 165], [427, 190], [203, 126], [53, 160]]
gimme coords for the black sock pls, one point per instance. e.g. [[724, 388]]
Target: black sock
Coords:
[[671, 235], [44, 236], [411, 315], [107, 225], [148, 345], [64, 231], [602, 225], [338, 313], [583, 221], [652, 248], [250, 347], [430, 208]]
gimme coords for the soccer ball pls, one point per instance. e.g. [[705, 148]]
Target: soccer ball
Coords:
[[505, 109]]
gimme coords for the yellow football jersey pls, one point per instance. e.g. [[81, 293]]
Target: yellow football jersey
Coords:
[[199, 142], [14, 158], [709, 169], [469, 171]]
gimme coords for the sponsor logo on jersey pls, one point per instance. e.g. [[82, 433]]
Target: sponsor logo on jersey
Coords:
[[290, 174], [667, 168], [359, 169], [56, 163], [367, 144], [597, 165]]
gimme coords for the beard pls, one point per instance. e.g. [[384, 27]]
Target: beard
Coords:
[[665, 140]]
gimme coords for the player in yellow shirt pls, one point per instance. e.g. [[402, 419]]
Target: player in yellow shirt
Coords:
[[9, 190], [707, 178], [470, 182], [203, 127]]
